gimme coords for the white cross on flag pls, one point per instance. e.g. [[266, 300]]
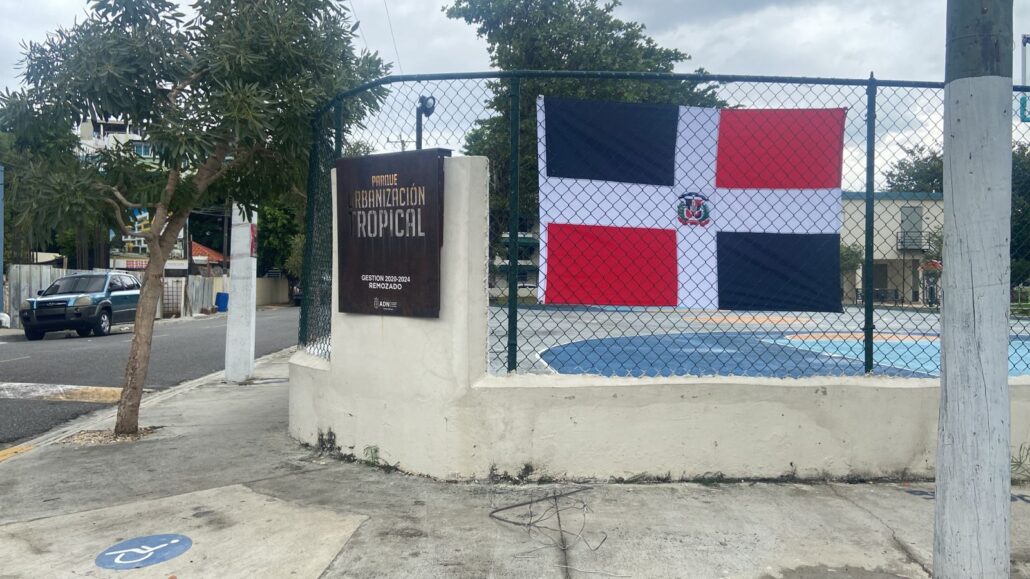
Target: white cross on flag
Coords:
[[661, 205]]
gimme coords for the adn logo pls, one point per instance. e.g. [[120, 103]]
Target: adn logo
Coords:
[[383, 305], [694, 209]]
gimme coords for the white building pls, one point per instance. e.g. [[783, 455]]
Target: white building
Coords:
[[903, 224]]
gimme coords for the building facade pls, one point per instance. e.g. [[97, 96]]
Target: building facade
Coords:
[[906, 235]]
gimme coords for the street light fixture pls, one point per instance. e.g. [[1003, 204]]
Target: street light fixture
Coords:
[[426, 106]]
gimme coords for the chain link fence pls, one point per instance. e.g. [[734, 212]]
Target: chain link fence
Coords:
[[889, 218]]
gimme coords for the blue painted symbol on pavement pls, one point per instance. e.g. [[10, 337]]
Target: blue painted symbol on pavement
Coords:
[[143, 551]]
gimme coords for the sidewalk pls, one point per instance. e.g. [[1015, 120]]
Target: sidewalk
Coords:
[[221, 471]]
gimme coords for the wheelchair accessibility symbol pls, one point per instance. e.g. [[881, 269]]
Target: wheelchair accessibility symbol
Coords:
[[143, 551]]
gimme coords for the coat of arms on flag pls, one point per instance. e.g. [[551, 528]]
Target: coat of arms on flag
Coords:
[[662, 205]]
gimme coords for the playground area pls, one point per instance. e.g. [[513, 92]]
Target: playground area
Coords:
[[669, 342]]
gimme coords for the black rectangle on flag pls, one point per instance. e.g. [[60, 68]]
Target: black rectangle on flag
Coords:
[[605, 141], [786, 272]]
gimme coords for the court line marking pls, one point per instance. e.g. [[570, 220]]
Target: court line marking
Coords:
[[14, 451], [28, 391]]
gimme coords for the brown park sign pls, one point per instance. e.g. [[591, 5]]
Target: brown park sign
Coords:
[[389, 211]]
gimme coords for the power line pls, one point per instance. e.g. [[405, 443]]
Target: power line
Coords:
[[394, 37], [357, 20]]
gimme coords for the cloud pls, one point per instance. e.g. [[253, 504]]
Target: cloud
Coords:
[[902, 40], [894, 39], [427, 41], [661, 15], [25, 21]]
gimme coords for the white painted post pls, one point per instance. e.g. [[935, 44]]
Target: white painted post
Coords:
[[242, 319], [971, 532]]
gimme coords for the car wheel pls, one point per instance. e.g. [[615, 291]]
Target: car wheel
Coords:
[[33, 335], [84, 332], [103, 325]]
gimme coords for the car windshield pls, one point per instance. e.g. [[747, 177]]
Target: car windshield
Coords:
[[79, 284]]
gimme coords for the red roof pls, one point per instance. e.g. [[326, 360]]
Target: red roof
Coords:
[[212, 255]]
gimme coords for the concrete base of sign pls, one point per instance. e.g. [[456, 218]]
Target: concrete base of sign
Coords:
[[416, 393]]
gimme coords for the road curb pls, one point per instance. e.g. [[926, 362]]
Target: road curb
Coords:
[[94, 420]]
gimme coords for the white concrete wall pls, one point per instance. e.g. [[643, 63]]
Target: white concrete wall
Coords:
[[887, 222], [272, 290], [418, 391]]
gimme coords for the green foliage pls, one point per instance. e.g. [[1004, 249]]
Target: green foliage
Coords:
[[921, 171], [851, 256], [277, 226], [935, 245], [224, 98], [294, 265], [569, 35]]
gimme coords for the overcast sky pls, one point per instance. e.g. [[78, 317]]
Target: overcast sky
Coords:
[[901, 39]]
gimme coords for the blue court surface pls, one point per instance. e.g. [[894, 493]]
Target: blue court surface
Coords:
[[769, 354]]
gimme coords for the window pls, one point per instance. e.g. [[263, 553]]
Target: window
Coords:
[[117, 283], [77, 285], [125, 282], [912, 219]]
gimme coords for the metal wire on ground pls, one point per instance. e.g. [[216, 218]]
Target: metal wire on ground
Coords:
[[546, 527]]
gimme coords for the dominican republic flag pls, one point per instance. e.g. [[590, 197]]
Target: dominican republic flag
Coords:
[[660, 205]]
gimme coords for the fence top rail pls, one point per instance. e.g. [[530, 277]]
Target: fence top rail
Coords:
[[622, 75]]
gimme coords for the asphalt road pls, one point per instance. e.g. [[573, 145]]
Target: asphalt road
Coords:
[[182, 350]]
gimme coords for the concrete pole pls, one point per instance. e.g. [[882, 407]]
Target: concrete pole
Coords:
[[242, 322], [971, 523], [4, 320]]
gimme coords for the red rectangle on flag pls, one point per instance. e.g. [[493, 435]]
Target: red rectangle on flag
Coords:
[[623, 266], [780, 149]]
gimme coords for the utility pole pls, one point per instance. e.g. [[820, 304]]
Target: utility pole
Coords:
[[3, 317], [972, 511], [241, 325]]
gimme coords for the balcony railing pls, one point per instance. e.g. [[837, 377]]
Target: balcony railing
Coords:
[[914, 240]]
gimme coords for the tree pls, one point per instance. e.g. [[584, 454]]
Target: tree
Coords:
[[567, 35], [851, 257], [923, 171], [38, 152], [225, 99], [278, 226]]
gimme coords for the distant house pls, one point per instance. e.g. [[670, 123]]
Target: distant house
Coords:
[[903, 228], [99, 135], [208, 261]]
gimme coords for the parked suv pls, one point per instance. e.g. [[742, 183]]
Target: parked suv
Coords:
[[86, 302]]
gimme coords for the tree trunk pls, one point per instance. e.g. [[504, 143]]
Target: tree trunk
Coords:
[[139, 353], [972, 511]]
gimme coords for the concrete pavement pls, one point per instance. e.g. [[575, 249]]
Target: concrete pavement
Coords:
[[222, 472]]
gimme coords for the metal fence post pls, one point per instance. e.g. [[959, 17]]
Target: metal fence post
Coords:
[[307, 266], [870, 175], [513, 229]]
